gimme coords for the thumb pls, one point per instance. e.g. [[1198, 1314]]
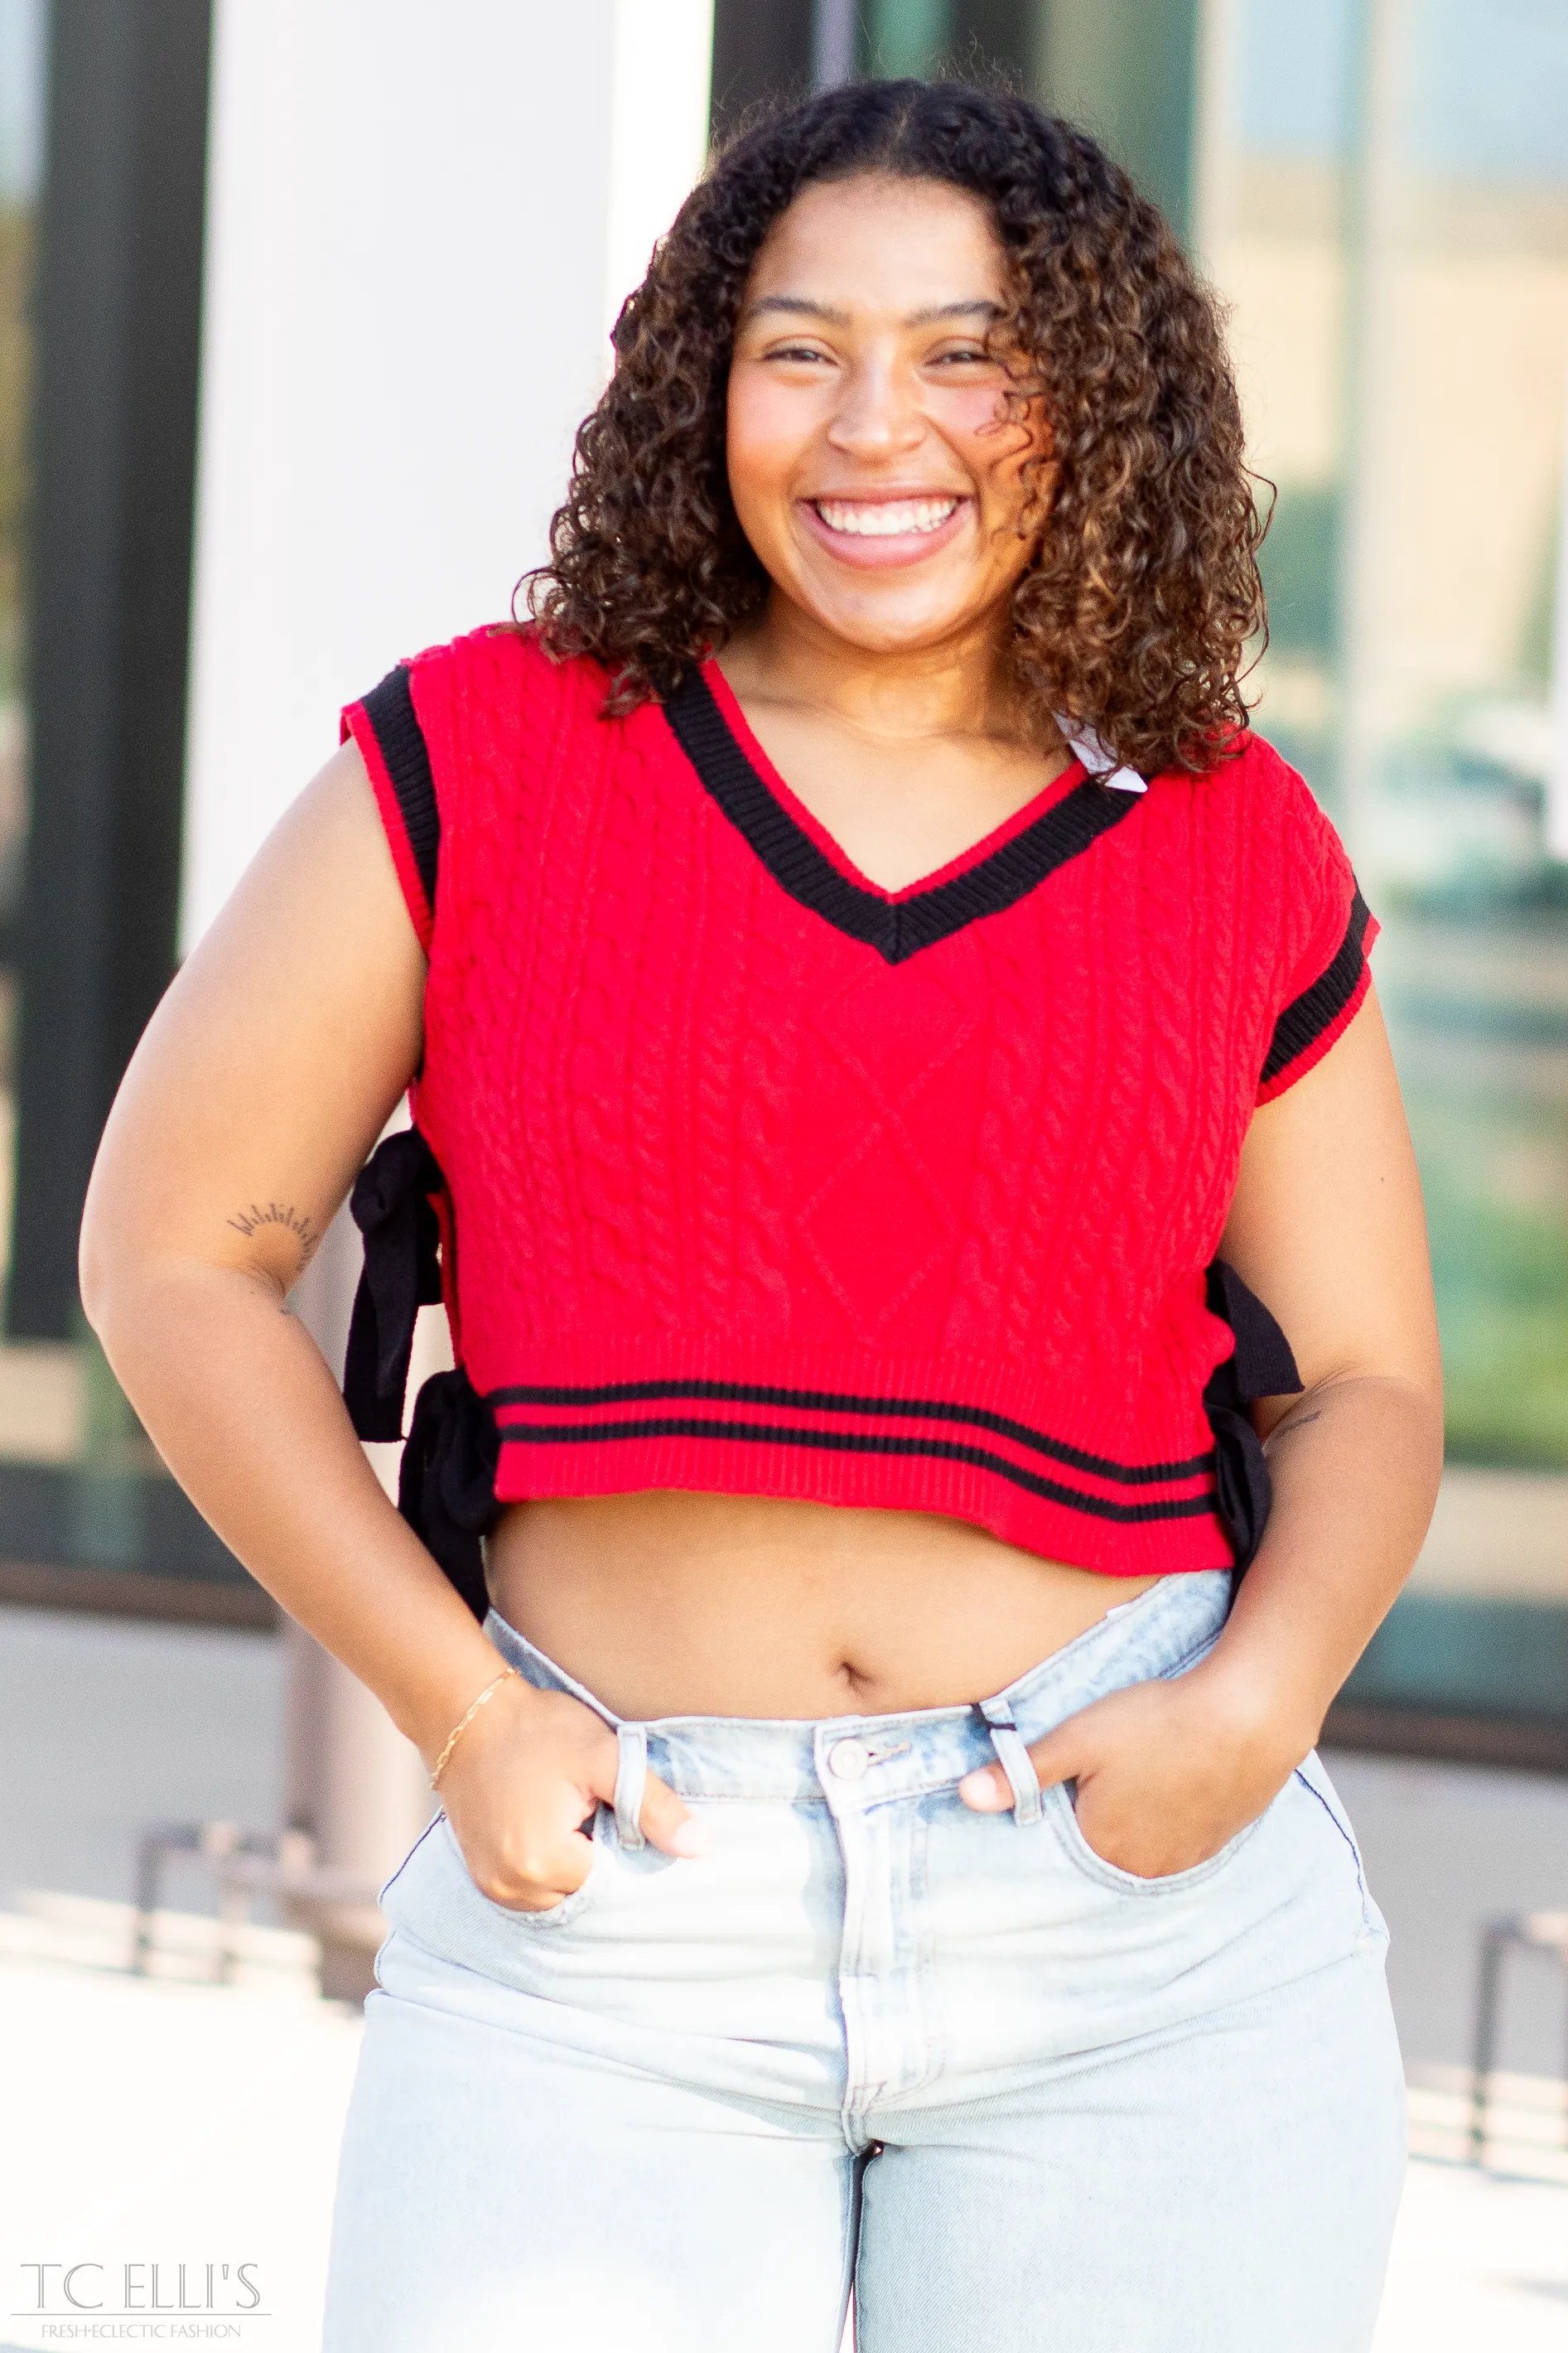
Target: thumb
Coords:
[[988, 1791], [668, 1824]]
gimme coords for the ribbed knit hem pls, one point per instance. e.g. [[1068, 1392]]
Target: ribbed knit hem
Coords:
[[1037, 1466]]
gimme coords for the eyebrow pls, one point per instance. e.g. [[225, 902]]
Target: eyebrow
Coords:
[[800, 306]]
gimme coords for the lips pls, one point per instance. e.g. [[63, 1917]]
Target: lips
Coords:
[[885, 533], [886, 518]]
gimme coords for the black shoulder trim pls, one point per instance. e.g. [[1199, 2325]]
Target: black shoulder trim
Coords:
[[1319, 1008], [389, 707], [900, 928]]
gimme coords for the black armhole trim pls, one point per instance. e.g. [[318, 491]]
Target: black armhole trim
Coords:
[[389, 707], [1319, 1008]]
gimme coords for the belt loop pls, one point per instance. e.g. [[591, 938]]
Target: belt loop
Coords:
[[631, 1779], [1015, 1759]]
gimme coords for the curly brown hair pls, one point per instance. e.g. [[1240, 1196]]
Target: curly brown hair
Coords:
[[1134, 615]]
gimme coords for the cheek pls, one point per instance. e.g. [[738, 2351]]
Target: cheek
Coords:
[[993, 443], [762, 448]]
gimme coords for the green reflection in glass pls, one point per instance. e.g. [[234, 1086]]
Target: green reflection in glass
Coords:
[[907, 36], [15, 265], [1300, 562], [1476, 1003]]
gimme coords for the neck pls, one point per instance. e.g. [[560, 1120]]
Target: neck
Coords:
[[957, 686]]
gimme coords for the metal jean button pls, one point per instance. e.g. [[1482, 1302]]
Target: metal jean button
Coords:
[[849, 1759]]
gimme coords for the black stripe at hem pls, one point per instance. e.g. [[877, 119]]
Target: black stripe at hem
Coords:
[[1317, 1009], [854, 1441], [1075, 1457], [389, 707], [895, 929]]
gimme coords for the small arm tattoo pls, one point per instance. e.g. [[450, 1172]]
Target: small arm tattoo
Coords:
[[1292, 1422], [275, 1213]]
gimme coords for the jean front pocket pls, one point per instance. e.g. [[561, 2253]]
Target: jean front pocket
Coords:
[[1062, 1813], [570, 1907], [433, 1900]]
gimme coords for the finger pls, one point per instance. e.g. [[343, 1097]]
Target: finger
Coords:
[[537, 1880], [1057, 1758], [668, 1823], [988, 1791]]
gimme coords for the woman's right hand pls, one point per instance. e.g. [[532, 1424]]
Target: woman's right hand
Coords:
[[522, 1781]]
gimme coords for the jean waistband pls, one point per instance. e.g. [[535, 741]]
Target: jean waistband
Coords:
[[916, 1750]]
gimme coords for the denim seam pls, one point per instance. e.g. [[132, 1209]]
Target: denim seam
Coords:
[[1071, 1655], [1141, 1672], [695, 1796], [440, 1815], [1355, 1849]]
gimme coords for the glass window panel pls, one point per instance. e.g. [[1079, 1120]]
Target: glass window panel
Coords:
[[907, 37], [38, 1403], [81, 1485], [1390, 221]]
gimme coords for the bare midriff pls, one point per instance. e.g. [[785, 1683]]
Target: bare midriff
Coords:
[[680, 1604]]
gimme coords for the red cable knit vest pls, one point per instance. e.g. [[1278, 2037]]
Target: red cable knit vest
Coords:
[[752, 1176]]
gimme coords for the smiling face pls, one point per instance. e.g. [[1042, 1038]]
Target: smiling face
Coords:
[[876, 460]]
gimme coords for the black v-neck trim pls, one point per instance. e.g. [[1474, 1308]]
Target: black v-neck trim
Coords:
[[896, 928]]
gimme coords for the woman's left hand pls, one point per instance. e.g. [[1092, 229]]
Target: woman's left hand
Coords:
[[1167, 1772]]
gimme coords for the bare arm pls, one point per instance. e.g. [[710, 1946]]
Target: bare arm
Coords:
[[1327, 1227], [261, 1083]]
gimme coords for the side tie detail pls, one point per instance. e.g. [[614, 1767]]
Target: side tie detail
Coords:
[[1260, 1365], [391, 1205], [447, 1485]]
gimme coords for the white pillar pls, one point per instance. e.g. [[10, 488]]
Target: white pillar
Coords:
[[834, 25], [419, 221], [1367, 691], [661, 68]]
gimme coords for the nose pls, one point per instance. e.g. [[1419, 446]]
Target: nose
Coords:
[[879, 412]]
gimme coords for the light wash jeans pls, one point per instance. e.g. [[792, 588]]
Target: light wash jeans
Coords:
[[1026, 2101]]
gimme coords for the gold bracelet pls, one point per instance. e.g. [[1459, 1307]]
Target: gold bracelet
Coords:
[[463, 1722]]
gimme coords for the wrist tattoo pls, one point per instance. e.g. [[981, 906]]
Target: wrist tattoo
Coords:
[[277, 1213]]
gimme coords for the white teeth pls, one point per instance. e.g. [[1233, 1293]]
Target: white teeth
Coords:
[[884, 519]]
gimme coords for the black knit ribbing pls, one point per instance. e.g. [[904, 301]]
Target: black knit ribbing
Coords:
[[895, 929], [389, 707], [1317, 1009], [839, 1401]]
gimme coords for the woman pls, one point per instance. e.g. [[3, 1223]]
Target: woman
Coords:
[[880, 1834]]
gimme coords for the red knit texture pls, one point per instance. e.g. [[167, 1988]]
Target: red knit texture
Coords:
[[739, 1206]]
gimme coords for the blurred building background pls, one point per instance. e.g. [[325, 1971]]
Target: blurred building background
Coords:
[[300, 301], [274, 300]]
